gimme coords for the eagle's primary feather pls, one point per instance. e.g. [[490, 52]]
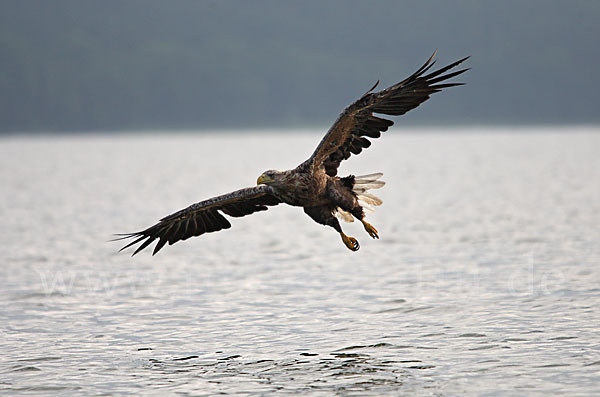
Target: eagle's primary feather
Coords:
[[203, 217], [350, 132], [314, 184]]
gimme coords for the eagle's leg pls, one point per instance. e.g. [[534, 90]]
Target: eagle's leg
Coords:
[[340, 192], [324, 216], [370, 229], [350, 242], [359, 214]]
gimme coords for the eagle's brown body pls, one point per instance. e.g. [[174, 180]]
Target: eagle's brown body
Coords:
[[314, 184]]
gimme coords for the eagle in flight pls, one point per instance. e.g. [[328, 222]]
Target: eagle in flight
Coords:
[[314, 184]]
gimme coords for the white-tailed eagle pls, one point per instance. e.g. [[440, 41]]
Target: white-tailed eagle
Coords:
[[314, 184]]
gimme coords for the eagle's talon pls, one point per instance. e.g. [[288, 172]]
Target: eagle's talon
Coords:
[[370, 229], [350, 242]]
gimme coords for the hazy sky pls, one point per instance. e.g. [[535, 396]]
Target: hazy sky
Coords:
[[90, 65]]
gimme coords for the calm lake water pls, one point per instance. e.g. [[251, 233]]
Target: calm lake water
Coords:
[[486, 280]]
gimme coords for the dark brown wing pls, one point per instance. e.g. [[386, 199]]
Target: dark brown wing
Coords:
[[349, 133], [203, 217]]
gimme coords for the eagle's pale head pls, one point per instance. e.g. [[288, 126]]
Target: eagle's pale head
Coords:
[[270, 177]]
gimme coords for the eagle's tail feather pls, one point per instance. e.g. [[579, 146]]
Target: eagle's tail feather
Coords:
[[362, 184], [343, 215]]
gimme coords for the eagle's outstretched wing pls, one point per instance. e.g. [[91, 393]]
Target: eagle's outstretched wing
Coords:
[[203, 217], [350, 131]]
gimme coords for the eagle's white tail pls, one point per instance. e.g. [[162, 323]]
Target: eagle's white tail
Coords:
[[362, 184]]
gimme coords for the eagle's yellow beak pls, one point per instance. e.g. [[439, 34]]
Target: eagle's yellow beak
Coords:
[[263, 180]]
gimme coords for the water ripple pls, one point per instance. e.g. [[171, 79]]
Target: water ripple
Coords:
[[485, 280]]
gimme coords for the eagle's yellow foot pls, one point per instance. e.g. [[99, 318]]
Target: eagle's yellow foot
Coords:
[[370, 229], [350, 242]]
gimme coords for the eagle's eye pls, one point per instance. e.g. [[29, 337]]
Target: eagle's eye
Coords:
[[266, 178]]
